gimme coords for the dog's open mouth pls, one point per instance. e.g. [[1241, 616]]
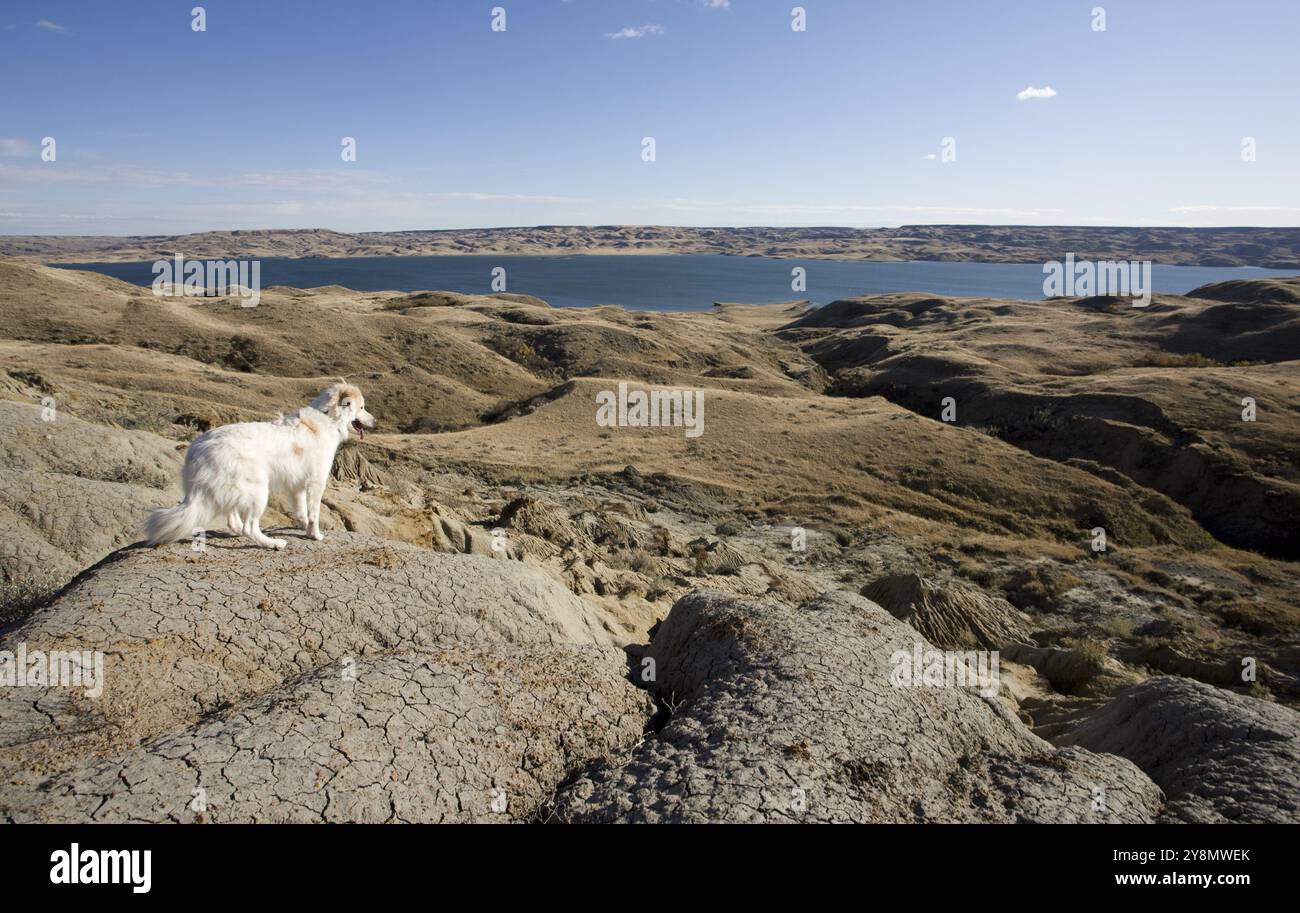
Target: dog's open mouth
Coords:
[[360, 429]]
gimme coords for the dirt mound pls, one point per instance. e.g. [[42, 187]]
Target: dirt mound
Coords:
[[1073, 670], [895, 310], [46, 438], [457, 299], [70, 492], [953, 616], [1238, 332], [1272, 291], [1218, 756], [215, 661], [782, 714]]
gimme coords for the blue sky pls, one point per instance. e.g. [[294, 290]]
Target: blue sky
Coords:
[[161, 129]]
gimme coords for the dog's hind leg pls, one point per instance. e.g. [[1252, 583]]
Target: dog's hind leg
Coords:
[[300, 514], [236, 523], [253, 521], [313, 495]]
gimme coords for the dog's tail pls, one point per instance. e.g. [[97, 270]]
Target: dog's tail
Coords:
[[171, 524]]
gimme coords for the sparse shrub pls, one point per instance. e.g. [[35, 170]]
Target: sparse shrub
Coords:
[[639, 560], [1115, 627], [701, 556], [1160, 359], [1090, 653], [18, 599], [243, 354], [1250, 620], [729, 528], [658, 589], [977, 573], [663, 541], [1044, 420], [1038, 587]]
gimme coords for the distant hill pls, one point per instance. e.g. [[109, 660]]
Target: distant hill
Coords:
[[1276, 248]]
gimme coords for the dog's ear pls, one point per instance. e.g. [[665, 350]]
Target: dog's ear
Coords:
[[328, 400]]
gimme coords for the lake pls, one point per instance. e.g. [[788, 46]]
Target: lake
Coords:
[[678, 282]]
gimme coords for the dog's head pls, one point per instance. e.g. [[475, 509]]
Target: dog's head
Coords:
[[345, 405]]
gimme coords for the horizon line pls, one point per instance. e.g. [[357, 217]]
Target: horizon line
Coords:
[[742, 227]]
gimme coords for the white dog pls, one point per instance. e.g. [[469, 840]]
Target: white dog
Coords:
[[231, 472]]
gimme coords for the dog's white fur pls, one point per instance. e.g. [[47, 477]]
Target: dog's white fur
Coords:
[[231, 472]]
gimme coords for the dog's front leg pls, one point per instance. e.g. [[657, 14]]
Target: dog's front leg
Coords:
[[315, 491]]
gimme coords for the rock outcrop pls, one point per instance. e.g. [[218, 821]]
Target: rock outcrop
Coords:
[[784, 714], [952, 615]]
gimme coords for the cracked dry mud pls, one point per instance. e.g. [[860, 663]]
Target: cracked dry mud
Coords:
[[789, 715], [363, 680], [1218, 756], [352, 679]]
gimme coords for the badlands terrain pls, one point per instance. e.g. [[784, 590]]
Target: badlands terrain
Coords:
[[1277, 248], [520, 615]]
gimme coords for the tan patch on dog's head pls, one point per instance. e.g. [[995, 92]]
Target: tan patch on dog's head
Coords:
[[310, 425], [329, 399]]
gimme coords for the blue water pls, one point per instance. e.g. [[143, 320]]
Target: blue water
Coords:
[[685, 282]]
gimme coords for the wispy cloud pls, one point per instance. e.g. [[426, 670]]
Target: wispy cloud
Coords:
[[718, 4], [778, 213], [49, 26], [636, 31], [1029, 92], [14, 147], [506, 197], [1209, 207], [308, 179]]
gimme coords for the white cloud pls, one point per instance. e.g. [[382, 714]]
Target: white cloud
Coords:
[[1030, 92], [718, 4], [14, 147], [49, 26], [930, 157], [308, 179], [638, 31]]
